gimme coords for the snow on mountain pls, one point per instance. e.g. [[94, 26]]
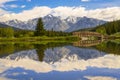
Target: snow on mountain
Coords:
[[30, 54], [19, 24], [72, 19], [69, 24], [70, 53], [55, 23], [83, 22]]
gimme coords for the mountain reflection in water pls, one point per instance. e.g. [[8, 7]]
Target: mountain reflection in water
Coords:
[[51, 61]]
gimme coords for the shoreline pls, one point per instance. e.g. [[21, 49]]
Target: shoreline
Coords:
[[39, 39]]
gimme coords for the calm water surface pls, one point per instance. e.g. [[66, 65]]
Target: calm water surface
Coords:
[[83, 60]]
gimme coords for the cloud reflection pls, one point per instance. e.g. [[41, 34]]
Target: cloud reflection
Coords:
[[107, 61]]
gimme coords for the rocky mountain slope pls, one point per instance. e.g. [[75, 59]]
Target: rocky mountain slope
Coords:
[[56, 23]]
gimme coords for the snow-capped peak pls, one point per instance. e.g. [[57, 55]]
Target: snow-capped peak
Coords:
[[72, 19]]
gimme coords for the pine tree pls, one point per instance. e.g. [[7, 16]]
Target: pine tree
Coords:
[[9, 32], [6, 32], [39, 31]]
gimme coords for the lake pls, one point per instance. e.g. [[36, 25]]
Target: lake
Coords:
[[82, 60]]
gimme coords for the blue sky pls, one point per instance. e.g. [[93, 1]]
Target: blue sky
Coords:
[[20, 5]]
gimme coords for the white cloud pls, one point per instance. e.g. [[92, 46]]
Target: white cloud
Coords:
[[85, 0], [4, 1], [69, 11], [29, 0], [2, 12], [2, 4], [23, 6], [99, 78], [107, 61], [12, 6], [108, 14], [28, 14]]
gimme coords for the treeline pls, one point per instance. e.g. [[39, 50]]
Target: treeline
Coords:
[[28, 33], [108, 28], [6, 32], [39, 31], [9, 32]]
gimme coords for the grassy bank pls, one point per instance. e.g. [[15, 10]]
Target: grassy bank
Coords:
[[117, 41], [38, 39]]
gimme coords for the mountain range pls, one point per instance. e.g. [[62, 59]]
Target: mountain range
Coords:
[[3, 25], [51, 22]]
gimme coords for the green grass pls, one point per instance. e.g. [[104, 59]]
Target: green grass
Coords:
[[117, 41], [116, 34], [39, 39]]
